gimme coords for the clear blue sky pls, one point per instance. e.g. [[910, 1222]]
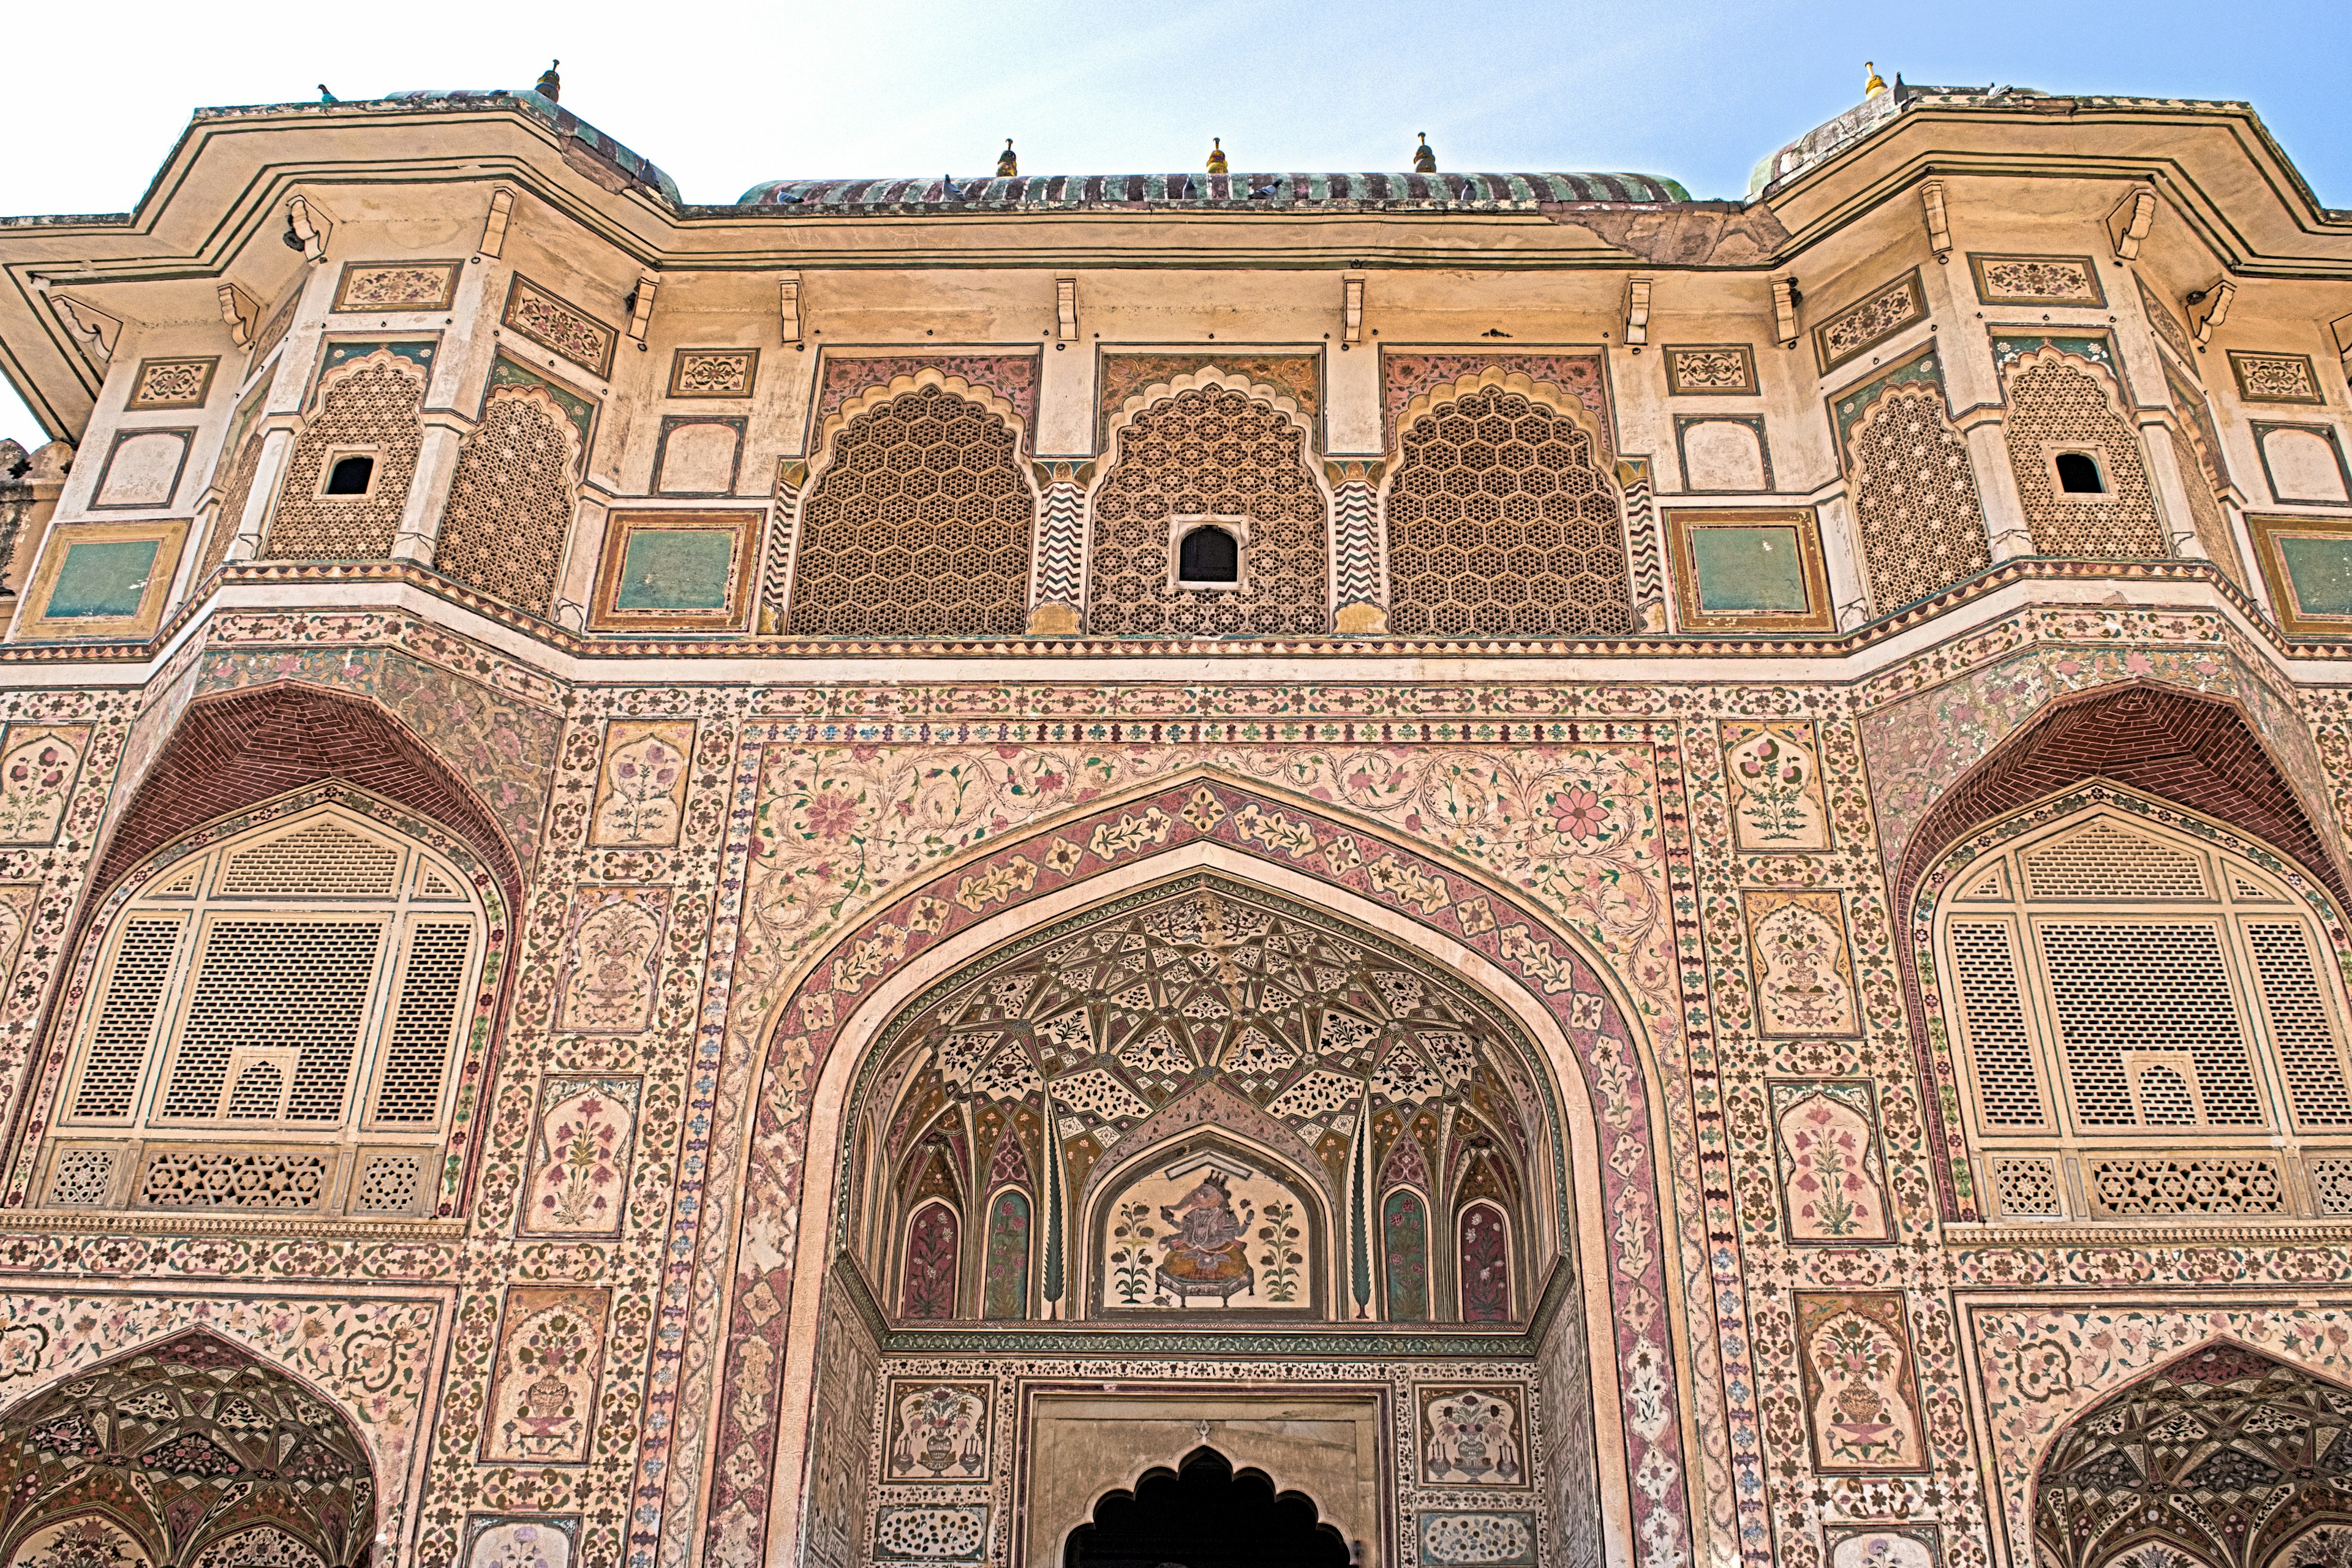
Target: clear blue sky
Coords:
[[724, 95]]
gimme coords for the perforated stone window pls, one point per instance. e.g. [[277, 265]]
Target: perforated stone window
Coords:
[[2079, 474], [509, 507], [1210, 451], [368, 406], [1501, 524], [266, 1002], [1914, 499], [919, 526], [2152, 1005]]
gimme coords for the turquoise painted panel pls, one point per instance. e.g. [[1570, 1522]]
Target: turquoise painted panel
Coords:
[[676, 569], [2321, 570], [102, 578], [1751, 569]]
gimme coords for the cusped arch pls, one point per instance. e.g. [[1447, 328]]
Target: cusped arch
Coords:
[[2225, 1453], [1297, 848], [1227, 1511], [1210, 445], [185, 1444], [918, 518]]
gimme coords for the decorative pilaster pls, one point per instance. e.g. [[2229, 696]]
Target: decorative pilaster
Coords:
[[1057, 591], [776, 552], [1360, 606], [277, 447], [1644, 551]]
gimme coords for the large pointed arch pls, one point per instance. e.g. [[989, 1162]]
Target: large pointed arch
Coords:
[[1202, 819], [183, 1445], [2192, 750], [2226, 1454]]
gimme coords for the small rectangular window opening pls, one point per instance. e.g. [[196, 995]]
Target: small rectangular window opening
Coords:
[[2079, 475], [352, 474]]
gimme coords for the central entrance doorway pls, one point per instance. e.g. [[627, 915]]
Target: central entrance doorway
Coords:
[[1205, 1515]]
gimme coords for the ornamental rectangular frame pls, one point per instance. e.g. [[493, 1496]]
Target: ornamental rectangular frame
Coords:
[[355, 272], [204, 365], [187, 439], [605, 613], [607, 338], [1684, 422], [1681, 522], [2094, 298], [1914, 311], [2246, 367], [745, 381], [169, 536], [673, 423], [1677, 387], [2264, 429], [2269, 533]]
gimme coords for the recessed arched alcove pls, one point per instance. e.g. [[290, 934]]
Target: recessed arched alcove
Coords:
[[1206, 1514]]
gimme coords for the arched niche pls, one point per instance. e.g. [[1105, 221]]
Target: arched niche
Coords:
[[1193, 1086], [187, 1451], [2223, 1457], [1210, 1515]]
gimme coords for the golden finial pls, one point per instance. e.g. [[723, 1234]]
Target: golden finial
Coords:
[[1216, 155], [1007, 165], [551, 86], [1424, 157], [1877, 82]]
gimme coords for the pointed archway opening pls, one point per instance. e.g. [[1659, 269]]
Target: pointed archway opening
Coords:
[[1206, 1514]]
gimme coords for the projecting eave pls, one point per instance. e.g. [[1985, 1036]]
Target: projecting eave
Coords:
[[2214, 165]]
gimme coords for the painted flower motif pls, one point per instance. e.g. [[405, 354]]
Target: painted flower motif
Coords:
[[831, 816], [1577, 811]]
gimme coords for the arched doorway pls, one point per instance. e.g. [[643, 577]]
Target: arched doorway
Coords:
[[1205, 1515], [190, 1451]]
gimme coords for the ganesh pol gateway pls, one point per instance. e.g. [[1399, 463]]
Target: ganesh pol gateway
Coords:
[[1410, 869]]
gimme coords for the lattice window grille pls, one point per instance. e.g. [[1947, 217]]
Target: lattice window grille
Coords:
[[2053, 404], [2103, 861], [2008, 1090], [2331, 1185], [424, 1023], [919, 526], [1501, 524], [116, 1057], [324, 859], [242, 1179], [2115, 987], [297, 970], [389, 1182], [81, 1178], [2026, 1186], [510, 509], [2301, 1031], [302, 985], [1914, 500], [1210, 451], [374, 405], [2180, 1186]]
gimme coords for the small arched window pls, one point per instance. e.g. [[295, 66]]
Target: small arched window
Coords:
[[2078, 474], [274, 1026], [2149, 1022], [1209, 556]]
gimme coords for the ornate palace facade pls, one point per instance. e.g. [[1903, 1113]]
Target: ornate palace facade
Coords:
[[1595, 878]]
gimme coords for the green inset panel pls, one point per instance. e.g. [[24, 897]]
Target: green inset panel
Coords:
[[676, 569], [102, 578], [2321, 570], [1748, 569]]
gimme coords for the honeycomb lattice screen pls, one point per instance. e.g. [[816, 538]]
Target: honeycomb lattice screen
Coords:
[[239, 491], [509, 507], [1914, 500], [2053, 405], [1210, 451], [372, 406], [1501, 524], [919, 526]]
